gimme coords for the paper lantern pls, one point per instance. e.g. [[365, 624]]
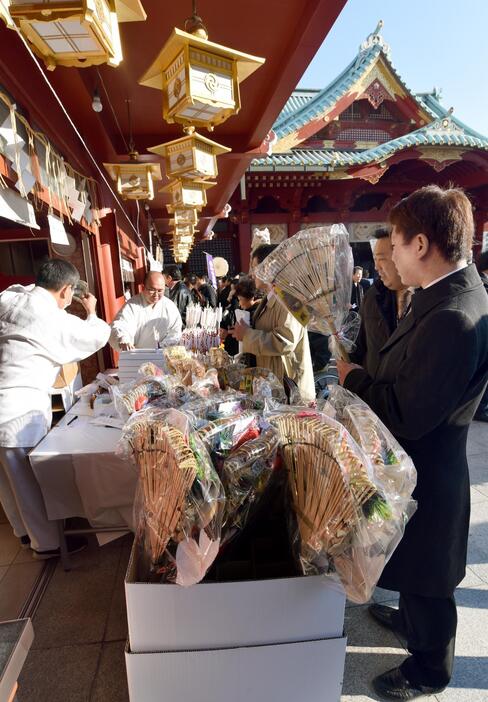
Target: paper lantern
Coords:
[[134, 179], [183, 215], [199, 79], [75, 32], [188, 193], [192, 156]]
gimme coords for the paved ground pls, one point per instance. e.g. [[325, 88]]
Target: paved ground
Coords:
[[81, 627]]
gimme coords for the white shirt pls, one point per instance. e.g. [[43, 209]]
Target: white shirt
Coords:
[[446, 275], [145, 325], [36, 338]]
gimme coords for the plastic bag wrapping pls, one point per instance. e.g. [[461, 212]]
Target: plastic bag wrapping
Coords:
[[311, 274], [223, 435], [246, 473], [258, 382], [393, 469], [134, 396], [220, 405], [180, 501], [346, 522]]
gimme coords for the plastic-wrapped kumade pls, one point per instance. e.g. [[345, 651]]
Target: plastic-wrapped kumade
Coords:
[[311, 274], [246, 473], [258, 382], [137, 394], [180, 500], [347, 523], [393, 468]]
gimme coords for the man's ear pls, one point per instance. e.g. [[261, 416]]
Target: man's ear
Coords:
[[64, 292], [422, 245]]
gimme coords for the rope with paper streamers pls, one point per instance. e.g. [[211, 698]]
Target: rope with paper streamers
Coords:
[[77, 132], [56, 169]]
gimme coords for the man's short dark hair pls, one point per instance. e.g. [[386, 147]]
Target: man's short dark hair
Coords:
[[192, 279], [172, 271], [263, 251], [381, 233], [357, 268], [202, 277], [246, 287], [445, 216], [55, 273]]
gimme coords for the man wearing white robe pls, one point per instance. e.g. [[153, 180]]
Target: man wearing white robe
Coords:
[[148, 319], [37, 336]]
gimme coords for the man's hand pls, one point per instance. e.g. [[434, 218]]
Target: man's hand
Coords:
[[126, 347], [344, 368], [239, 331], [89, 302]]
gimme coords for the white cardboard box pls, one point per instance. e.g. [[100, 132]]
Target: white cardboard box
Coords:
[[165, 617], [306, 671]]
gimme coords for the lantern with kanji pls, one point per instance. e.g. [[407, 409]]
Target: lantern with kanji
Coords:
[[199, 79], [192, 156], [188, 193]]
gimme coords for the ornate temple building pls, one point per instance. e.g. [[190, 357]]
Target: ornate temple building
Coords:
[[350, 151]]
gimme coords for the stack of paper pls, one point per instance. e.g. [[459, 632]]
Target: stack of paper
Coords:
[[131, 361]]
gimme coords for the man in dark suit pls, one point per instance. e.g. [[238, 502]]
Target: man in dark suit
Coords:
[[178, 291], [359, 287], [431, 374], [383, 307]]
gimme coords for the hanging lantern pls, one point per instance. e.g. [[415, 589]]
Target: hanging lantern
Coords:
[[192, 156], [134, 179], [188, 193], [77, 33], [185, 230], [5, 14], [199, 79], [183, 215]]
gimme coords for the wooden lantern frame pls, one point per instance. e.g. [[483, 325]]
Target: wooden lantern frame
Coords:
[[192, 156]]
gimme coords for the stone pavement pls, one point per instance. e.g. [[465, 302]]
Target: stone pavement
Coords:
[[372, 650], [81, 629]]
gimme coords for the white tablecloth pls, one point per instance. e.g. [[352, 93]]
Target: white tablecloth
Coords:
[[80, 475]]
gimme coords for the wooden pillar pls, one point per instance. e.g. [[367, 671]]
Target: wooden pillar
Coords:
[[245, 238]]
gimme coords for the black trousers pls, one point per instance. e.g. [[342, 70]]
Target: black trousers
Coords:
[[429, 625]]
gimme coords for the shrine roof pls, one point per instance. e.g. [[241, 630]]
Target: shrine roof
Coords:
[[305, 105], [445, 131]]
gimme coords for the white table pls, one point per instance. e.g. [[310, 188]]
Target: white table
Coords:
[[80, 475]]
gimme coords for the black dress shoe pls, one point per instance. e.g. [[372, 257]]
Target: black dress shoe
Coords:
[[393, 685], [74, 544], [386, 616]]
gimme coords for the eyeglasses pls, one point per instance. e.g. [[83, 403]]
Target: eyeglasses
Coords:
[[153, 291]]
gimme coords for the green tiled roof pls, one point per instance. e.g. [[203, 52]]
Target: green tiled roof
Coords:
[[445, 131]]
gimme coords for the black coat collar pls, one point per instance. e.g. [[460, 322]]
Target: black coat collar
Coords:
[[423, 301]]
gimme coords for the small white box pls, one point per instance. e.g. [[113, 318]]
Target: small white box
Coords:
[[306, 671], [165, 617]]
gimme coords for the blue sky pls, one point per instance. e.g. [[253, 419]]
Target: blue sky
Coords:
[[433, 43]]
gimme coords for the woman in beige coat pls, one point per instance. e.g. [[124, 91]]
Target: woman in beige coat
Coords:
[[278, 340]]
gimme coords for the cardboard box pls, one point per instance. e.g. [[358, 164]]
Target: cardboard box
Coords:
[[165, 617], [306, 671]]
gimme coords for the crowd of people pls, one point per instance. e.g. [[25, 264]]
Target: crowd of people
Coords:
[[420, 362]]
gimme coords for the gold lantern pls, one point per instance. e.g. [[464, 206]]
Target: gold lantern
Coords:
[[199, 79], [188, 193], [134, 179], [183, 215], [192, 156], [75, 32], [5, 14]]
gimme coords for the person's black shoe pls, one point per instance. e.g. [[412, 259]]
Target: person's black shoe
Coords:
[[481, 416], [25, 541], [393, 685], [74, 544], [386, 616]]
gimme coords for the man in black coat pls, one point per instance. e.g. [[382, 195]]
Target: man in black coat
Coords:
[[431, 374], [384, 305], [482, 266], [178, 292], [359, 288]]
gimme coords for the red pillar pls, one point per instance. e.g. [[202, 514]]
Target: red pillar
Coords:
[[244, 245]]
